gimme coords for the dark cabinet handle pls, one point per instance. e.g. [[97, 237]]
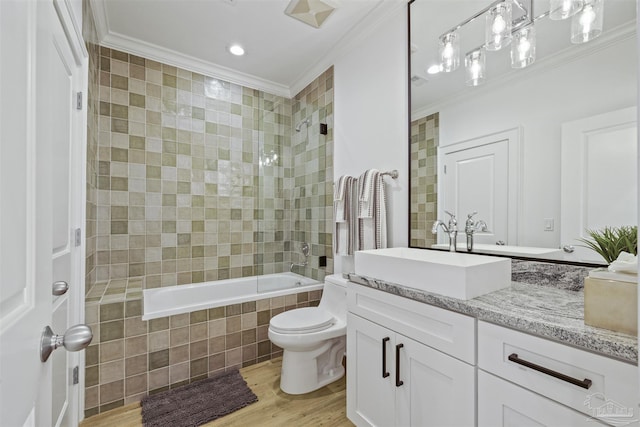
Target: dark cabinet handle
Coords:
[[399, 382], [586, 383], [385, 374]]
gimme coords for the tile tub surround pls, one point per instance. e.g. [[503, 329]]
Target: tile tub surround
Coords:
[[183, 191], [424, 180], [545, 310], [130, 358]]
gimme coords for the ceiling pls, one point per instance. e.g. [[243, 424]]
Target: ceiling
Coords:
[[282, 54], [553, 44]]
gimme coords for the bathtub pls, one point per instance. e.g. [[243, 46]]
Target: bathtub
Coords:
[[167, 301]]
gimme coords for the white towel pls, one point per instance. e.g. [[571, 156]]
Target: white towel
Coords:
[[345, 215], [372, 212], [339, 192], [625, 263], [366, 188]]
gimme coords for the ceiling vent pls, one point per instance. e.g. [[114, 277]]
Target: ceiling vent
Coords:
[[311, 12]]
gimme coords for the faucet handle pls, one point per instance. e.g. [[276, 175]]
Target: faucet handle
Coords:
[[452, 217], [472, 214]]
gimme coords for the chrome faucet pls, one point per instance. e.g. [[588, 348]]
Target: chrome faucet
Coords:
[[451, 230], [304, 248], [471, 227]]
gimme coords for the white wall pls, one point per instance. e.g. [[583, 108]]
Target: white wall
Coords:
[[539, 105], [371, 118]]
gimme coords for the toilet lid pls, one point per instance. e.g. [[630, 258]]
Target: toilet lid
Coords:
[[307, 319]]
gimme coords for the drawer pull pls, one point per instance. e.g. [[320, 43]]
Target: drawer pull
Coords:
[[385, 374], [399, 382], [586, 383]]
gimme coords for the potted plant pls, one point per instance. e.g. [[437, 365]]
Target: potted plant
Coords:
[[611, 294], [610, 242]]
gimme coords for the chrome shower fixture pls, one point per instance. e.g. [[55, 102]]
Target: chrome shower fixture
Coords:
[[306, 121]]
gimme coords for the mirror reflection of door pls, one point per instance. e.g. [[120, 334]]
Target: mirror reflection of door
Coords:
[[599, 177], [476, 180]]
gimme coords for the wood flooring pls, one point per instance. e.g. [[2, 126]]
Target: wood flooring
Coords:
[[324, 407]]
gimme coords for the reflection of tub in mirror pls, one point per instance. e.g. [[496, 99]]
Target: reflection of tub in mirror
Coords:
[[567, 83]]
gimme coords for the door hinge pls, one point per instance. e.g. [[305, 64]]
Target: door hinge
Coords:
[[79, 101], [78, 237], [75, 376]]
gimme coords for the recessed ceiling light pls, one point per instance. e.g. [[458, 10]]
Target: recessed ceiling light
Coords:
[[236, 49], [434, 69]]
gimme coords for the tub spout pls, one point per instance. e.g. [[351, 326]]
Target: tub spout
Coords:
[[301, 264]]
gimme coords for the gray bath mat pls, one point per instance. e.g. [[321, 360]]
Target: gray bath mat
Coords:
[[197, 403]]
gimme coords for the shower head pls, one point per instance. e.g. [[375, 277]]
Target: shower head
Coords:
[[306, 121]]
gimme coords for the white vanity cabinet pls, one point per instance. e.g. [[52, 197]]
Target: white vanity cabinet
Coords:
[[398, 374], [528, 380]]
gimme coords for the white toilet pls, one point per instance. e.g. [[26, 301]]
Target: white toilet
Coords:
[[313, 340]]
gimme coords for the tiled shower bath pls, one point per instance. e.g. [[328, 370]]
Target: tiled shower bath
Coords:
[[193, 179], [424, 180]]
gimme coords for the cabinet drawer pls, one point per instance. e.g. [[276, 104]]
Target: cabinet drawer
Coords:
[[446, 331], [502, 404], [548, 368]]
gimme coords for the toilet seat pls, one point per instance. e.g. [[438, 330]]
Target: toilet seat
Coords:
[[302, 320]]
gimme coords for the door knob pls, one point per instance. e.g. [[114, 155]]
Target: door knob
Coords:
[[76, 338], [60, 288]]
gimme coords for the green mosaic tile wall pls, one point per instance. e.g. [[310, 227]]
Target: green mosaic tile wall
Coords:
[[193, 179], [424, 180], [189, 189]]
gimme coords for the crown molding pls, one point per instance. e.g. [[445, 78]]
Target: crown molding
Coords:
[[380, 14], [551, 62], [187, 62], [107, 38]]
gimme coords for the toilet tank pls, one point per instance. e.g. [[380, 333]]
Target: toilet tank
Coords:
[[334, 296]]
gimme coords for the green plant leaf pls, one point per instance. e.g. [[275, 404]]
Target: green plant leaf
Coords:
[[611, 241]]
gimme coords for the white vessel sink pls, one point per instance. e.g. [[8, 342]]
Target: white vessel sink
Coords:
[[453, 274]]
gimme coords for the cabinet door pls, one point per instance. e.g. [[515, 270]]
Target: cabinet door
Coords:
[[437, 389], [370, 394], [503, 404]]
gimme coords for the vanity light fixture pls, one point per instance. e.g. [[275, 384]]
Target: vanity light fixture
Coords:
[[450, 52], [563, 9], [498, 26], [523, 47], [586, 25], [501, 30], [475, 65]]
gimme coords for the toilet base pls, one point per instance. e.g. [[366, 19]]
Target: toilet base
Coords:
[[306, 371]]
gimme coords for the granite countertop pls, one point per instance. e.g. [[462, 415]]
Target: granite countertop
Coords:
[[544, 299]]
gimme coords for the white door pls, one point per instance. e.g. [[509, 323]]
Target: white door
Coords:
[[40, 197], [477, 179], [437, 389], [599, 177], [370, 375]]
